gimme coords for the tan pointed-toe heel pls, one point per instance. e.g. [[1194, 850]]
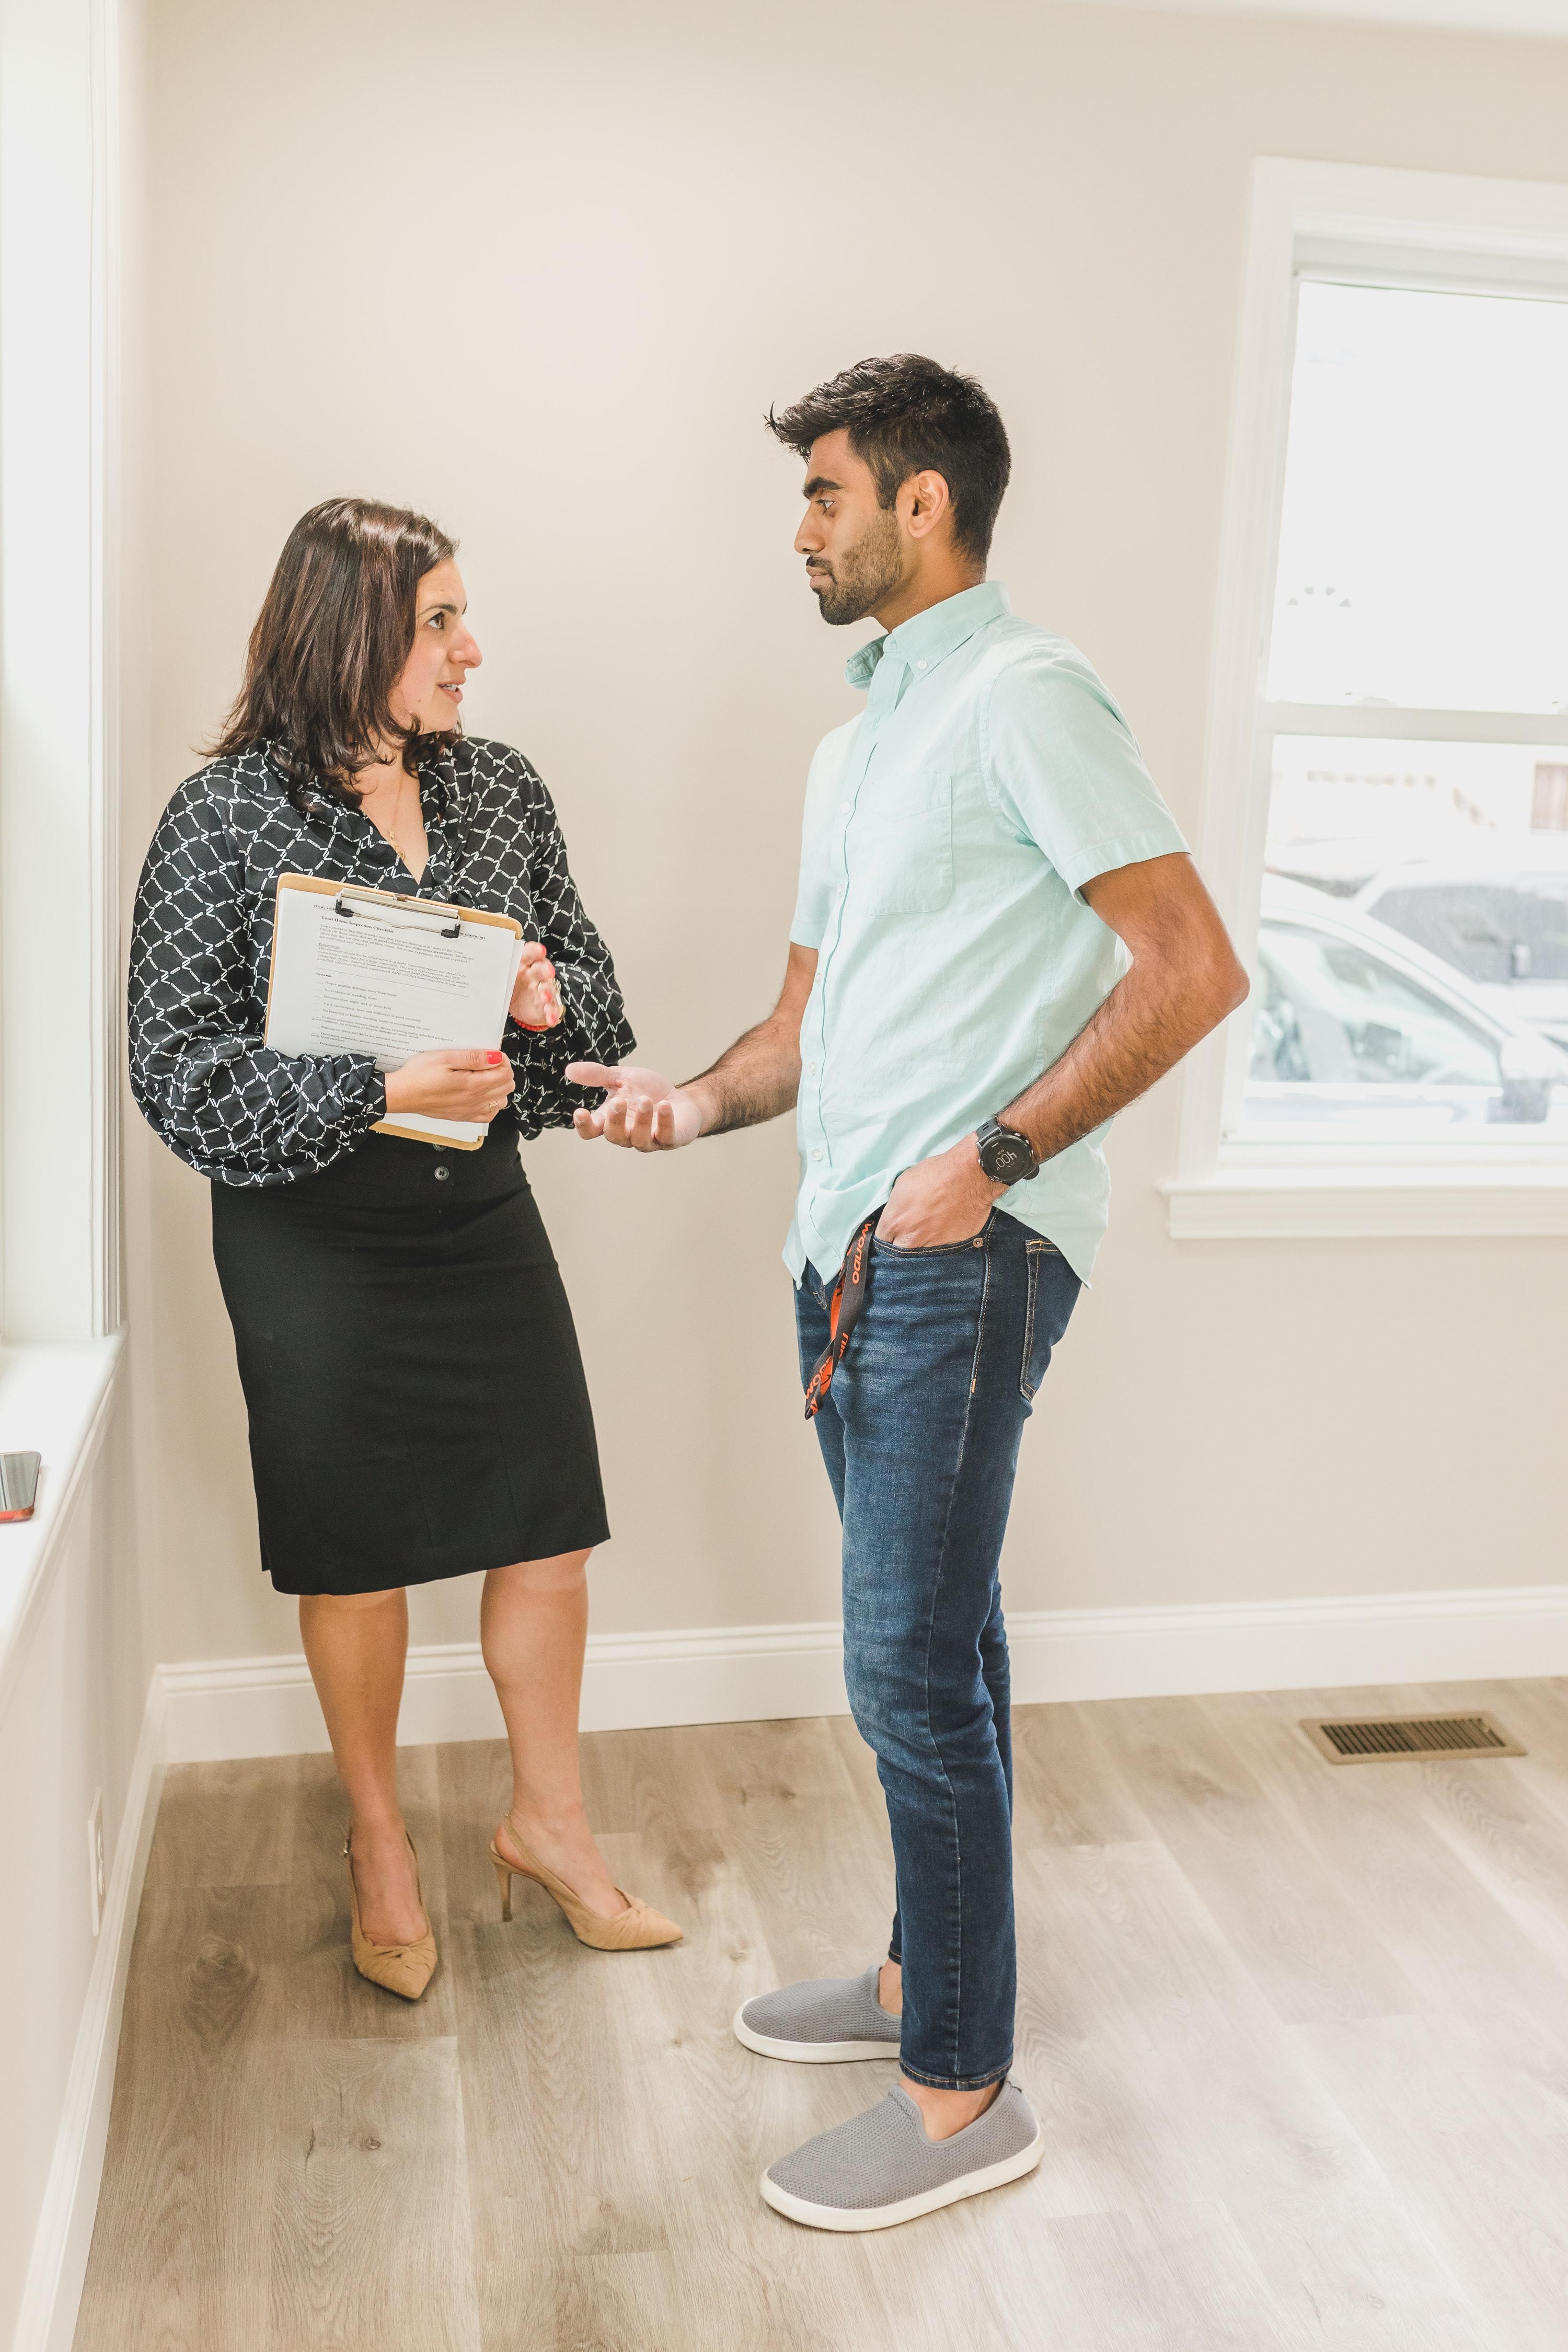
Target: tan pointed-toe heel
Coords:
[[402, 1969], [638, 1928]]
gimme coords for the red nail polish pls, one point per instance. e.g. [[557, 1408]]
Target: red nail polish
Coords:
[[492, 1059]]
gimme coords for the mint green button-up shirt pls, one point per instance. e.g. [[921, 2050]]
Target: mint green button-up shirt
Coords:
[[948, 833]]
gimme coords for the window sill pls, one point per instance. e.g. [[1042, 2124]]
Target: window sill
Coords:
[[54, 1401], [1341, 1199]]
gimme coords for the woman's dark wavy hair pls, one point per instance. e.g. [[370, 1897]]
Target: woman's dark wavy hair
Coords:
[[329, 642]]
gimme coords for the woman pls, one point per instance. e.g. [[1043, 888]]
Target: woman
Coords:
[[417, 1401]]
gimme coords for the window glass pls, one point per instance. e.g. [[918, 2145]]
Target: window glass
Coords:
[[1357, 1037], [1414, 939], [1497, 929], [1330, 1013], [1425, 506]]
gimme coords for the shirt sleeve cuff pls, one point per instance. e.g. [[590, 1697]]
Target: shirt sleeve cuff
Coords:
[[364, 1090], [1108, 856]]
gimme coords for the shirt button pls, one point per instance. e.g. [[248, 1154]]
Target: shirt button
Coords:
[[811, 1069], [920, 664], [843, 808], [817, 1155], [442, 1174]]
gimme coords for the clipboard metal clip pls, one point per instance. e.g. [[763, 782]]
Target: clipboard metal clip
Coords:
[[453, 930]]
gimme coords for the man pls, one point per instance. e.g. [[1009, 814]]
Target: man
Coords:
[[999, 941]]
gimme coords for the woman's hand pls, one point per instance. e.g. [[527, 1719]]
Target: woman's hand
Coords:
[[641, 1110], [536, 999], [457, 1082]]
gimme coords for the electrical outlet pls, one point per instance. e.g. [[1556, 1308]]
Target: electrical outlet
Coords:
[[95, 1864]]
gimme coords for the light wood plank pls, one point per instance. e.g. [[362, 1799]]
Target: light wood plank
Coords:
[[1286, 1916], [181, 2254], [1436, 2109], [1179, 2280], [371, 2242], [1066, 1788], [229, 1824], [600, 2303]]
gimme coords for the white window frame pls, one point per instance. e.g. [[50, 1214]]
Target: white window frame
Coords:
[[1403, 227], [60, 1053]]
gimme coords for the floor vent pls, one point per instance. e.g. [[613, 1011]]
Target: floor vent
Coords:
[[1386, 1738]]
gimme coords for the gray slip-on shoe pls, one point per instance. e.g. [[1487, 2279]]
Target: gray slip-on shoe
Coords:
[[820, 2021], [879, 2168]]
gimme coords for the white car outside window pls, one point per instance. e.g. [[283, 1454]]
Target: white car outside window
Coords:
[[1505, 930], [1359, 1034]]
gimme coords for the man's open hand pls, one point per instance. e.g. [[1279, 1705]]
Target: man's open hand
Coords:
[[641, 1110], [939, 1201]]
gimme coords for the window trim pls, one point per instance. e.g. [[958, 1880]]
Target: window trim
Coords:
[[59, 658], [1313, 219]]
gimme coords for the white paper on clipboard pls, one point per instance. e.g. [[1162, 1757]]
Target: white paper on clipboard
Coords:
[[358, 971]]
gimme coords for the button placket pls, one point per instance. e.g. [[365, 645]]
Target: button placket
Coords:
[[887, 684]]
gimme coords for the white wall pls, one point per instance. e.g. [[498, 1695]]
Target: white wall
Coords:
[[74, 1662], [541, 272], [70, 1711]]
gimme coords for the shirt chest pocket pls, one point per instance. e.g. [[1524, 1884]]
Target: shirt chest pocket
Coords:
[[901, 845]]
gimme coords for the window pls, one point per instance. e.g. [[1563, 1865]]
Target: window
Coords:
[[60, 1017], [1387, 819], [1425, 513]]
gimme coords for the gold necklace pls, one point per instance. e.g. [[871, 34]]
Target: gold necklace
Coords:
[[391, 836]]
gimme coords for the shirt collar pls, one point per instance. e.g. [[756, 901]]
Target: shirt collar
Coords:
[[932, 634], [437, 783]]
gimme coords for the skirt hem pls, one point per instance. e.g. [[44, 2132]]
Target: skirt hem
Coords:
[[583, 1540]]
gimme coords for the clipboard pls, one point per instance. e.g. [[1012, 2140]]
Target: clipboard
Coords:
[[448, 921]]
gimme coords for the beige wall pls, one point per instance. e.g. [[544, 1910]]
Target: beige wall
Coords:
[[541, 272]]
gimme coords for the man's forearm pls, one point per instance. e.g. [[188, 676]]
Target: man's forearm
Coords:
[[1142, 1029], [756, 1080], [1182, 981]]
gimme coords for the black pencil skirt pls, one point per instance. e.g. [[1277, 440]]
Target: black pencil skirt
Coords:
[[417, 1399]]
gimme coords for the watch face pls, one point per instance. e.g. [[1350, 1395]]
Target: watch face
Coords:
[[1007, 1161]]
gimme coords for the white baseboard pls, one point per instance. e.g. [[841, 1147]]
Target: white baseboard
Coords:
[[265, 1706], [52, 2292], [1270, 1645]]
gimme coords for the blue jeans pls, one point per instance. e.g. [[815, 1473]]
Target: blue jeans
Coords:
[[920, 1432]]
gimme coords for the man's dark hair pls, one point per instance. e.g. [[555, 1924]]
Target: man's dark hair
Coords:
[[904, 415]]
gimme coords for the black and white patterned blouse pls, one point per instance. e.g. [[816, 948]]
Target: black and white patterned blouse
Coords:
[[243, 1114]]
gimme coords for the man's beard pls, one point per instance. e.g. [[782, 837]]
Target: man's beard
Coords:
[[863, 576]]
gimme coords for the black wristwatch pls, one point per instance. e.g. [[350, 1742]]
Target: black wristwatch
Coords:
[[1007, 1157]]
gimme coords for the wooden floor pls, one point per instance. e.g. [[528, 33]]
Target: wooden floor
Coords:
[[1299, 2035]]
